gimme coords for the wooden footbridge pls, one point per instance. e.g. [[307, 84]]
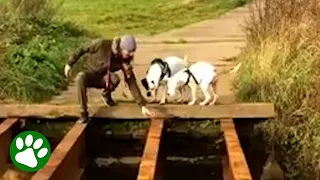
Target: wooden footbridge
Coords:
[[67, 159]]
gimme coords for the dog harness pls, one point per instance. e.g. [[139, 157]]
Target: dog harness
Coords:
[[164, 67], [190, 75]]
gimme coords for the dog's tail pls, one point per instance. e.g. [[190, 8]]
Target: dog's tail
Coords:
[[186, 58], [234, 70]]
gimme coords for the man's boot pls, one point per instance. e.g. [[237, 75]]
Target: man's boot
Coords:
[[84, 117], [107, 99]]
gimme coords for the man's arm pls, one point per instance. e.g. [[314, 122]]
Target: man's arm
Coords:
[[131, 81], [73, 58], [86, 48]]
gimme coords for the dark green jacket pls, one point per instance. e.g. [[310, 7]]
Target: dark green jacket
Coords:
[[101, 59]]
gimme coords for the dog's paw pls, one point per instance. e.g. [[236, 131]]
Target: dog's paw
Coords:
[[162, 102], [212, 103], [179, 101], [191, 103], [153, 100], [203, 103]]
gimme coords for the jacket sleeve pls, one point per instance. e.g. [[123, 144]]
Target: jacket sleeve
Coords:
[[86, 48], [132, 83]]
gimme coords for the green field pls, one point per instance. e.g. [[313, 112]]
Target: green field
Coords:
[[142, 17]]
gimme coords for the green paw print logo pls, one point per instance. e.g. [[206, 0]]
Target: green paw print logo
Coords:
[[30, 151]]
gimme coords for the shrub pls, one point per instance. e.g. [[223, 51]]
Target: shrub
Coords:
[[35, 45], [281, 65]]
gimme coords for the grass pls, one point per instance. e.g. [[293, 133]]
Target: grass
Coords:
[[142, 17], [281, 65]]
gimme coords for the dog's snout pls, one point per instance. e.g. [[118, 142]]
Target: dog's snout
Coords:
[[148, 93]]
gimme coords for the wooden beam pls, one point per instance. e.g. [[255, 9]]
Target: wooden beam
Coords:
[[236, 158], [5, 141], [132, 111], [226, 171], [149, 161], [42, 110], [67, 159]]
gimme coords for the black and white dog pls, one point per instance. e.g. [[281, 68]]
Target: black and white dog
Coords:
[[158, 74], [202, 74]]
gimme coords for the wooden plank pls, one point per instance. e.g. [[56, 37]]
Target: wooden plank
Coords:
[[67, 159], [132, 111], [5, 141], [236, 158], [149, 161]]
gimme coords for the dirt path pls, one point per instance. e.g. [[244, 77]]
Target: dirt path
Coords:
[[210, 40]]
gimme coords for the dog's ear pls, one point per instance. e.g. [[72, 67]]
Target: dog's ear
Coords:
[[145, 83], [156, 60]]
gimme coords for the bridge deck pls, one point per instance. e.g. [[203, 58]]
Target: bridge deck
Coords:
[[132, 111]]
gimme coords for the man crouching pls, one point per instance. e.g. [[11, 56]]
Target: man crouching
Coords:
[[105, 58]]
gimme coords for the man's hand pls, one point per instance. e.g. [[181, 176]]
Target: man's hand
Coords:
[[127, 70], [67, 71], [147, 112], [152, 113]]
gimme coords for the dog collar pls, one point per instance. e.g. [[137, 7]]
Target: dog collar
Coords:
[[190, 75], [164, 67]]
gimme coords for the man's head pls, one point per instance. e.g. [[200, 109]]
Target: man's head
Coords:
[[127, 46]]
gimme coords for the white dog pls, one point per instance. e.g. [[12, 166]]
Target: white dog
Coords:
[[159, 72], [201, 74]]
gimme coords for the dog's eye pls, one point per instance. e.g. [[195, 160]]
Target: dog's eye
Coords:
[[152, 82]]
